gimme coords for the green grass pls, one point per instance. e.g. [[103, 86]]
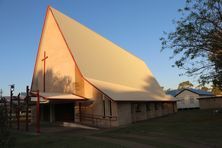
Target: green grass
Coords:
[[193, 128], [59, 141]]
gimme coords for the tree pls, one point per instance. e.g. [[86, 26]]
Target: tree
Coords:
[[197, 41], [201, 87], [216, 91], [168, 90], [204, 88], [185, 84]]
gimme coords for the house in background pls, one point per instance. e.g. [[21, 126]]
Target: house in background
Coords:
[[210, 102], [86, 78], [187, 98]]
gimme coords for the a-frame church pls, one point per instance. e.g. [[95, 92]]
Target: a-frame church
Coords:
[[83, 77]]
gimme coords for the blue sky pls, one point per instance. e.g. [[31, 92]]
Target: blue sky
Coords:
[[135, 25]]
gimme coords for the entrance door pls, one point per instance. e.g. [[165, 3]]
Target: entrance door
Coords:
[[133, 112], [45, 112], [64, 112]]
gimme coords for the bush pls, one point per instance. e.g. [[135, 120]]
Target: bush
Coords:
[[5, 137]]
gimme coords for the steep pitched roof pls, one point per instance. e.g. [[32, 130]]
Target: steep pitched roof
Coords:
[[196, 91], [173, 92], [201, 92], [110, 68]]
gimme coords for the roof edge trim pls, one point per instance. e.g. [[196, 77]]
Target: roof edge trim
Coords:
[[49, 8], [43, 29]]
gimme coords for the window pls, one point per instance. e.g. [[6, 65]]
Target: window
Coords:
[[182, 101], [104, 107], [156, 106], [138, 107], [107, 106], [162, 106], [191, 100], [148, 108], [110, 108]]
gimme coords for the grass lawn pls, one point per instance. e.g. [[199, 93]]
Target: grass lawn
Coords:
[[193, 128], [60, 141]]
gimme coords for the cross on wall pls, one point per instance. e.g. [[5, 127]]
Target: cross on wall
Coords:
[[44, 68]]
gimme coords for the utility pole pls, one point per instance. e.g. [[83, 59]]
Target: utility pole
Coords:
[[38, 113], [18, 112], [27, 109], [1, 93], [12, 88]]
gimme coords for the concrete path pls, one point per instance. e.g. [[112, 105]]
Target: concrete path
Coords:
[[76, 125]]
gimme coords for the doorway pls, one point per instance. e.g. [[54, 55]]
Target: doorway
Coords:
[[65, 112]]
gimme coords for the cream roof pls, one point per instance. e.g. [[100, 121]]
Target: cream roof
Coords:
[[106, 65], [125, 93], [42, 100]]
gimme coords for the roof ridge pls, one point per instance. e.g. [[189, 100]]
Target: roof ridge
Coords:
[[123, 49]]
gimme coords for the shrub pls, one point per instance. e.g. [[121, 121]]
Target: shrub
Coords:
[[6, 141]]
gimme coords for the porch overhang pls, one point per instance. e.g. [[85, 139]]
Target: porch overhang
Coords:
[[45, 97]]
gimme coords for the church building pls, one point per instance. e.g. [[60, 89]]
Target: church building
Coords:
[[85, 78]]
